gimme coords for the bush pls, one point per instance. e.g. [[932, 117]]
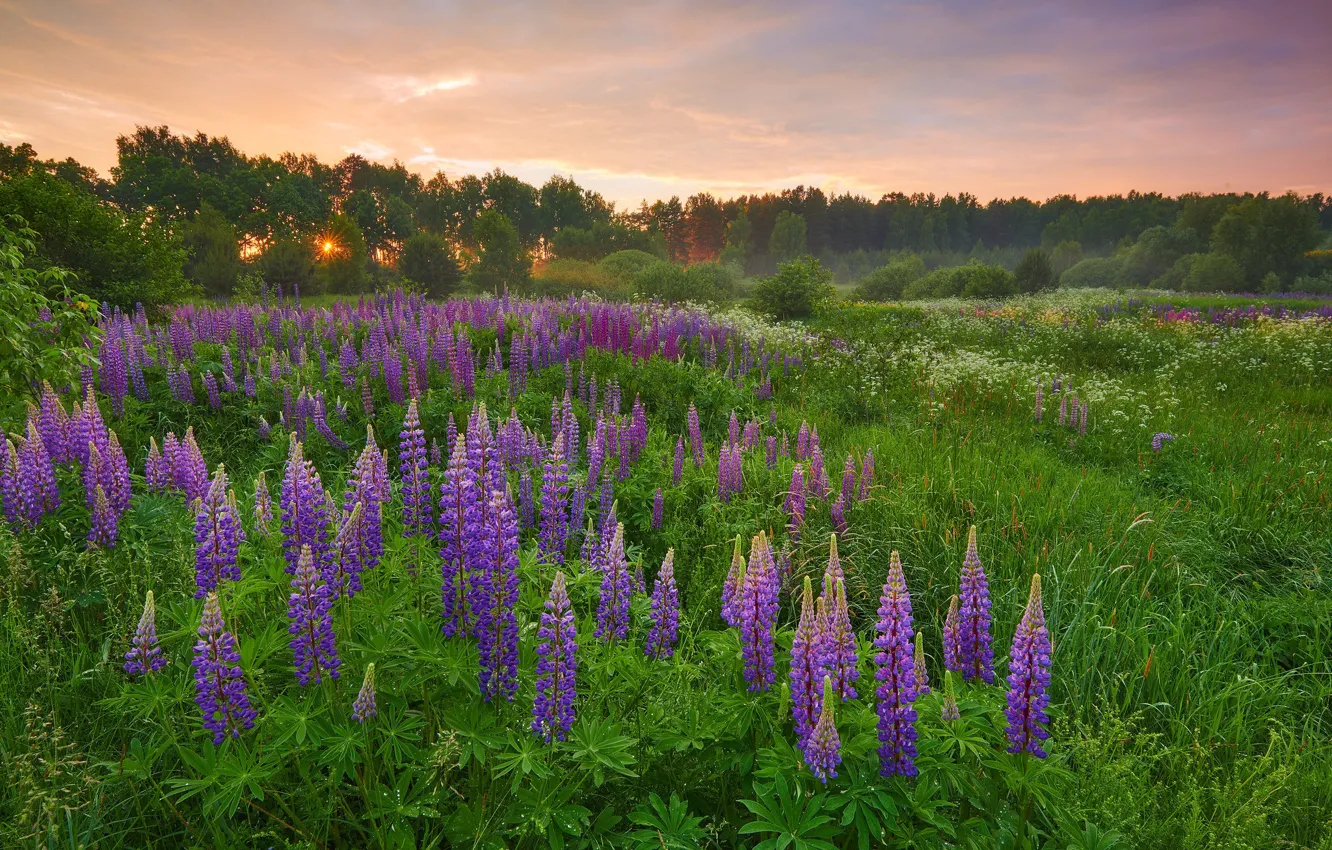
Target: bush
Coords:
[[1314, 284], [1091, 273], [1034, 272], [799, 289], [973, 280], [212, 256], [343, 257], [888, 282], [704, 283], [1214, 273], [562, 278], [604, 239], [624, 265], [288, 264], [427, 261]]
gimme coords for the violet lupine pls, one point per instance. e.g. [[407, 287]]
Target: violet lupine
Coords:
[[347, 549], [1029, 679], [975, 655], [896, 675], [263, 506], [9, 496], [1063, 410], [866, 477], [1040, 399], [310, 609], [456, 492], [189, 471], [1159, 439], [665, 612], [105, 528], [840, 656], [733, 587], [823, 750], [554, 532], [837, 513], [497, 597], [758, 615], [35, 483], [802, 441], [219, 682], [795, 502], [365, 488], [806, 667], [156, 473], [952, 638], [144, 656], [922, 671], [678, 469], [616, 591], [770, 452], [217, 538], [364, 708], [695, 436], [557, 665], [53, 425], [848, 481], [415, 475], [818, 479], [658, 508], [304, 513]]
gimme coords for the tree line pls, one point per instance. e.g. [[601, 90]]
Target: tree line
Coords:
[[180, 214]]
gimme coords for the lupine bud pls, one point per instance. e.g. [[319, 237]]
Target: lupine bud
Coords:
[[732, 587], [952, 638], [263, 507], [557, 665], [866, 477], [364, 707], [1029, 679], [922, 672], [144, 655], [950, 712], [896, 676], [665, 611]]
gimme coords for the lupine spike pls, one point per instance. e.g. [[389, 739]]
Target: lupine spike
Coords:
[[364, 707], [310, 609], [217, 538], [731, 588], [806, 666], [1029, 678], [145, 656], [976, 654], [841, 658], [952, 638], [557, 665], [823, 752], [758, 615], [665, 611], [219, 682], [613, 607], [896, 676]]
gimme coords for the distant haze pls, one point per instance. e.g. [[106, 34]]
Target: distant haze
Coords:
[[649, 100]]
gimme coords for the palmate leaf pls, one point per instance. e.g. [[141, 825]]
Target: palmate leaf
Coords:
[[600, 749], [400, 735], [296, 722], [792, 818], [525, 756], [867, 804], [476, 733], [691, 730], [666, 826], [545, 809]]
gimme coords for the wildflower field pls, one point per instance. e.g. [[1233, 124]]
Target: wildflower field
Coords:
[[489, 573]]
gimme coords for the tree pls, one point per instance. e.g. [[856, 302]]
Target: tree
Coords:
[[788, 237], [342, 257], [1092, 272], [288, 265], [625, 265], [739, 239], [706, 227], [603, 239], [1034, 272], [1267, 235], [887, 282], [1065, 256], [1214, 273], [212, 256], [503, 262], [427, 261], [799, 289]]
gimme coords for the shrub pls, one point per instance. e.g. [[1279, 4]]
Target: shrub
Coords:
[[1214, 273], [288, 264], [561, 278], [624, 265], [427, 261], [887, 282], [798, 290], [973, 280], [1092, 272], [704, 283], [1034, 272]]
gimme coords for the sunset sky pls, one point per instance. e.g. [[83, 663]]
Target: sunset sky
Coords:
[[648, 100]]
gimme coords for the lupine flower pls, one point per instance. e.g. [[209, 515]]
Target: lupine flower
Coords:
[[678, 469], [35, 480], [658, 507], [896, 676], [263, 506], [613, 606], [9, 479], [733, 587], [364, 707], [1082, 421], [818, 479], [554, 531], [758, 615], [365, 488], [347, 549], [456, 492], [1029, 678], [1159, 439], [665, 611], [216, 538], [823, 749], [156, 473], [557, 665], [950, 712], [189, 471], [922, 672], [219, 682], [976, 656], [838, 514], [415, 475], [304, 513], [802, 441], [310, 608], [770, 452], [848, 481], [1040, 397], [144, 655], [695, 436], [497, 584], [795, 502], [1063, 410], [866, 476], [806, 667], [952, 638], [840, 658], [104, 529]]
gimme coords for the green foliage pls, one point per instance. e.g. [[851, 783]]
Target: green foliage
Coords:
[[601, 239], [1065, 256], [1267, 235], [1035, 272], [428, 262], [288, 265], [702, 283], [504, 262], [1093, 272], [1213, 273], [212, 254], [561, 278], [788, 237], [973, 280], [798, 290], [624, 266], [888, 282], [342, 257]]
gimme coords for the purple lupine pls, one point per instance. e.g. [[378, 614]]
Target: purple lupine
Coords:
[[1063, 410], [144, 655], [866, 477], [310, 608], [1040, 399], [190, 472], [456, 492], [952, 638], [733, 587], [896, 675], [53, 425], [665, 611], [818, 479], [806, 667], [695, 436], [497, 584], [841, 658], [557, 665], [156, 472], [217, 538], [415, 475], [823, 750], [1159, 439], [678, 469], [1029, 679], [770, 452], [795, 502], [304, 511], [616, 591], [922, 671], [365, 488], [263, 506], [37, 493], [733, 430], [554, 532], [758, 615], [363, 708], [104, 529], [658, 508], [219, 682], [1082, 420], [838, 514], [347, 566], [9, 495], [848, 481], [802, 441], [976, 656]]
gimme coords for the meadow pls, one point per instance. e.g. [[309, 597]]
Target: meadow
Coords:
[[408, 572]]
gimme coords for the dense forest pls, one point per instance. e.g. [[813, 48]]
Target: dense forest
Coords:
[[183, 214]]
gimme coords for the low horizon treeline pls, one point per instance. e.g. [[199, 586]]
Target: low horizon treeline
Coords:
[[183, 215]]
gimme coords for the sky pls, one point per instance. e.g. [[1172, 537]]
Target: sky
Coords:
[[644, 100]]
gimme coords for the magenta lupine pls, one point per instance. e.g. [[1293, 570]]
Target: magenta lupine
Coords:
[[557, 665], [678, 469], [733, 587], [695, 436], [795, 502], [952, 638], [554, 532], [263, 506], [866, 477], [363, 708], [658, 508], [216, 537], [37, 494], [1029, 679], [104, 528], [219, 682], [841, 658], [922, 671], [976, 655], [806, 667], [616, 591], [665, 611], [758, 615], [457, 491], [310, 609], [497, 582], [823, 750], [144, 656], [415, 475], [896, 674]]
